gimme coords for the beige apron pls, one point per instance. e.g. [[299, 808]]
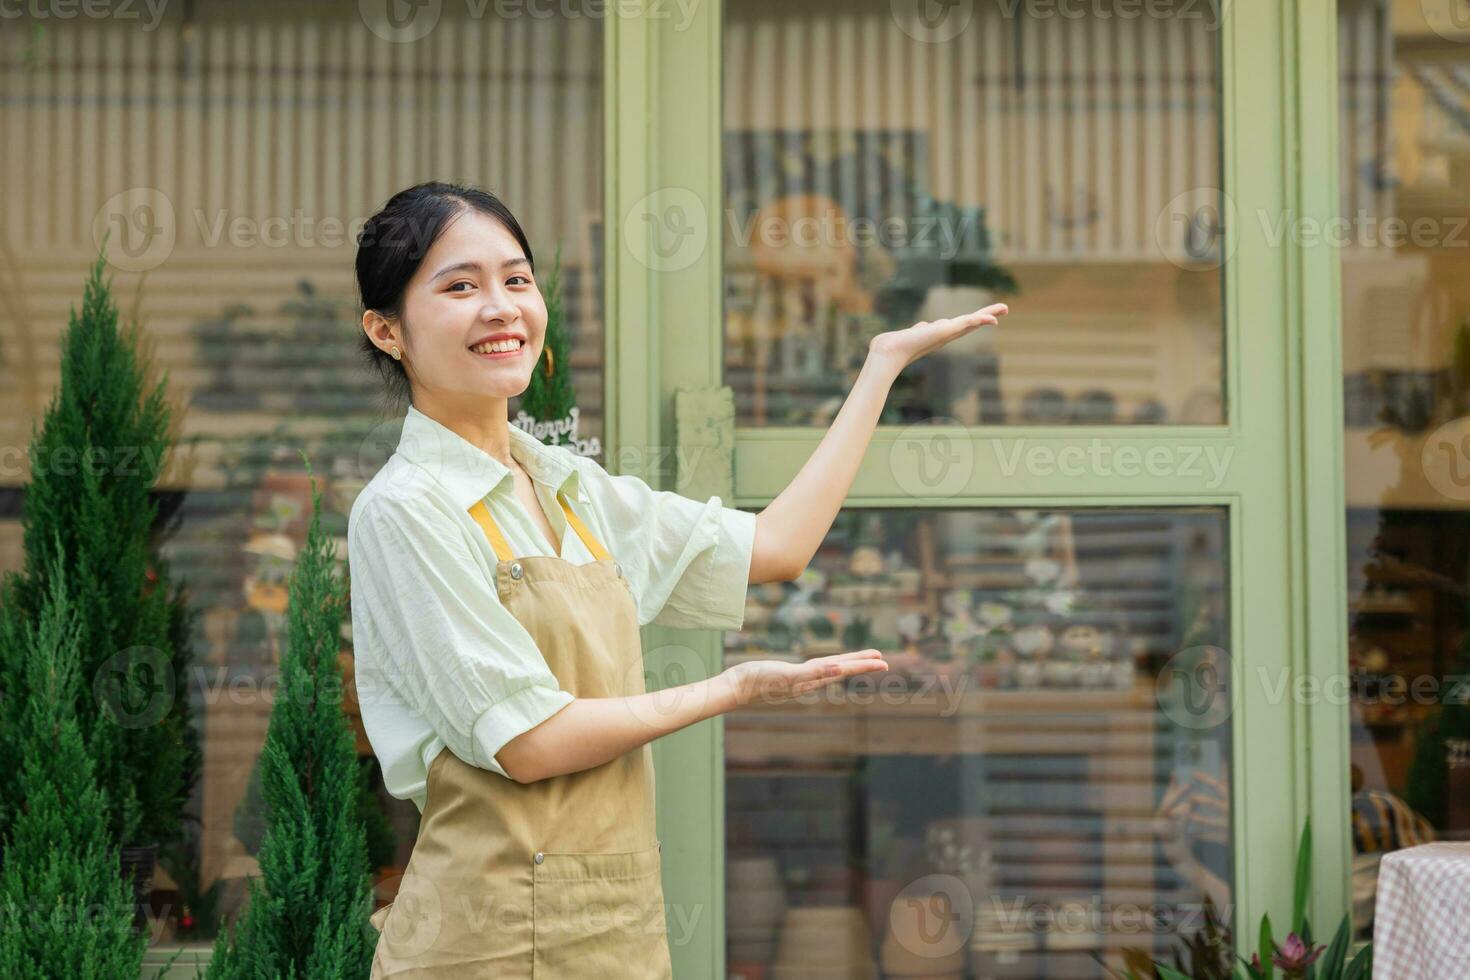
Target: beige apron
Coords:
[[557, 878]]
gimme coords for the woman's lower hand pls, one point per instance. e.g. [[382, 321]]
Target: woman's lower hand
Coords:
[[773, 681]]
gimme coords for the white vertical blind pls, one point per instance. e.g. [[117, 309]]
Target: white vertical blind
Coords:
[[1043, 120], [284, 117]]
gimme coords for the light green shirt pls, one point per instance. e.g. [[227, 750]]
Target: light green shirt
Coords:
[[438, 660]]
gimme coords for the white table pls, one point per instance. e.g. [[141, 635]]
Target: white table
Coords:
[[1421, 927]]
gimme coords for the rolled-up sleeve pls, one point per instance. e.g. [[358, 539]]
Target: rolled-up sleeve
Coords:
[[687, 560], [445, 644]]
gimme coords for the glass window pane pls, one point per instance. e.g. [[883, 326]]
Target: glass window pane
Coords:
[[1042, 774], [234, 151], [1405, 253], [883, 167]]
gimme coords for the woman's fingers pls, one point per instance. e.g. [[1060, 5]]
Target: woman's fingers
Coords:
[[838, 665], [1172, 797], [953, 328], [1214, 820], [827, 673], [1214, 782], [843, 657], [982, 319], [774, 681], [985, 315], [821, 671], [1209, 800]]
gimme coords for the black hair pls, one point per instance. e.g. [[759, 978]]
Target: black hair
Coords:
[[392, 246]]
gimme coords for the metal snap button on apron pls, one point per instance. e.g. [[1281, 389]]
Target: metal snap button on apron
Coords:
[[540, 857], [515, 570]]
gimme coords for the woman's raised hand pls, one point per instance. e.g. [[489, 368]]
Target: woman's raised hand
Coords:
[[904, 347], [772, 681]]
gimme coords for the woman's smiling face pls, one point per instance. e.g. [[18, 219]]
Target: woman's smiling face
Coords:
[[474, 284]]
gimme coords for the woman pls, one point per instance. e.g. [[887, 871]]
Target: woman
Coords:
[[497, 590]]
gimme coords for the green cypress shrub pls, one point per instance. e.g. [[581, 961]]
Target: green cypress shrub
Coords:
[[65, 910], [88, 514], [307, 914], [551, 399]]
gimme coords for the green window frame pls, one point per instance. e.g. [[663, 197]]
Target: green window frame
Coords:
[[1283, 488]]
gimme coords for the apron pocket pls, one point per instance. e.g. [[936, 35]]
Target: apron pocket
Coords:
[[599, 915]]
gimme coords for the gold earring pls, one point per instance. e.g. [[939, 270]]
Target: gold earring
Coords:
[[397, 356], [550, 362]]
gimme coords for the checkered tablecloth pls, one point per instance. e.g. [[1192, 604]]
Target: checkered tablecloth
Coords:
[[1421, 926]]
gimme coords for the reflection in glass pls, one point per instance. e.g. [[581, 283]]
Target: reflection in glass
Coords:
[[1405, 254], [1045, 766], [878, 172], [261, 139]]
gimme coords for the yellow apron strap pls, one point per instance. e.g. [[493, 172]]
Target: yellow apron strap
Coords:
[[481, 513], [593, 545]]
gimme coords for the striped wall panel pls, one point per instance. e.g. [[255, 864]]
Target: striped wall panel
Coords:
[[1075, 132], [241, 146]]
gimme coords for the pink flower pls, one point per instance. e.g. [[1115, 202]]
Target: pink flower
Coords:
[[1294, 956]]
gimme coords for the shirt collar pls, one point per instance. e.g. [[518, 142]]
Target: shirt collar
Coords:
[[468, 472]]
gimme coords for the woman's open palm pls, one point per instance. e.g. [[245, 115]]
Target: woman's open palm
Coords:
[[908, 345], [772, 681]]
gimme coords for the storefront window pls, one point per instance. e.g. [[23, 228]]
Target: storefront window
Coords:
[[882, 166], [234, 151], [1046, 765], [1405, 255]]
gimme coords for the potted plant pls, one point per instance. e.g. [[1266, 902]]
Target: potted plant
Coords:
[[1210, 956], [982, 656]]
